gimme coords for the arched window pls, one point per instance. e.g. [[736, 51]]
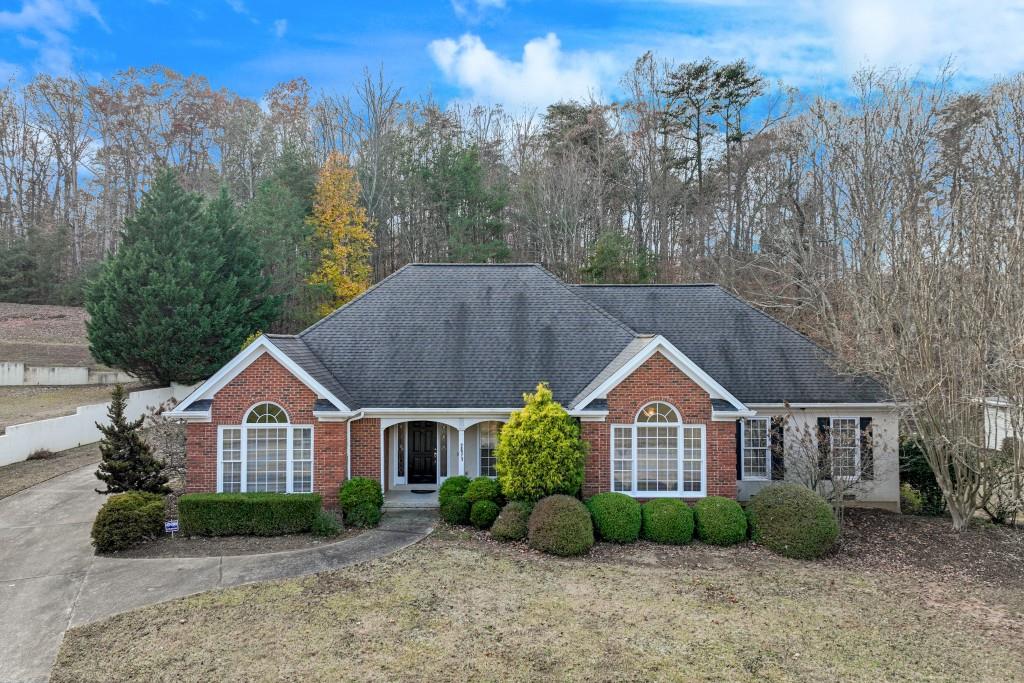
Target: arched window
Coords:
[[658, 455], [265, 453]]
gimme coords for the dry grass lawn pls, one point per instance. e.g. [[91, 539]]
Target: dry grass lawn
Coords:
[[44, 335], [457, 607], [27, 404], [21, 475]]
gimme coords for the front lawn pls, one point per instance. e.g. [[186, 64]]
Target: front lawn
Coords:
[[458, 606]]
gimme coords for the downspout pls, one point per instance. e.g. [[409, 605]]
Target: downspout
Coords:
[[348, 444]]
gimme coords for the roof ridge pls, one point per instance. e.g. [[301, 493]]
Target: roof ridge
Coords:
[[599, 309], [647, 284]]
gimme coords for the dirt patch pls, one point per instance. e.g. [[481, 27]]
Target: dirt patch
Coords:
[[181, 546], [21, 475], [44, 335], [27, 404], [456, 607]]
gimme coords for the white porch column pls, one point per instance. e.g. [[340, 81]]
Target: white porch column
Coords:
[[462, 451]]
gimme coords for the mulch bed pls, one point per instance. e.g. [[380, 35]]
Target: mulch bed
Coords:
[[183, 546]]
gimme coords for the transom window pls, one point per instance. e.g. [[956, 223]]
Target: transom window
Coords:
[[487, 437], [756, 448], [844, 433], [265, 453], [658, 455]]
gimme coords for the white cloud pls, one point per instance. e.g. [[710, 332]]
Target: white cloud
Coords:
[[545, 74], [44, 25], [474, 10], [238, 6], [280, 27]]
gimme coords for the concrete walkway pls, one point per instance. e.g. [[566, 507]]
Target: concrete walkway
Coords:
[[50, 580]]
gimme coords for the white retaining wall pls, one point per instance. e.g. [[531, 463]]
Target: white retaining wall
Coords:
[[19, 374], [59, 433]]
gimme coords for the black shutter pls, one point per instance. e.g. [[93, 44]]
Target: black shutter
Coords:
[[739, 450], [824, 449], [778, 448], [867, 455]]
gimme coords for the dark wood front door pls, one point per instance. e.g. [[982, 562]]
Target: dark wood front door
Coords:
[[422, 453]]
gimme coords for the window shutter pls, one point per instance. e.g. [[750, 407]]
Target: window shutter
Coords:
[[778, 448], [867, 456], [739, 450], [824, 448]]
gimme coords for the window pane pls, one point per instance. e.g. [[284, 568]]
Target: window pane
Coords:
[[693, 439], [755, 448], [266, 413], [622, 459], [302, 460], [658, 412], [267, 459], [487, 434], [231, 454], [400, 431], [657, 459], [845, 434]]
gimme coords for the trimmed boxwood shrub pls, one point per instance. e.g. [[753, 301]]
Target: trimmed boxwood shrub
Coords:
[[455, 510], [720, 521], [616, 517], [667, 520], [325, 524], [247, 514], [361, 501], [128, 519], [513, 521], [453, 487], [561, 525], [483, 488], [483, 513], [793, 521]]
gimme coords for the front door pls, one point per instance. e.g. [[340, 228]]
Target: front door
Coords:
[[422, 453]]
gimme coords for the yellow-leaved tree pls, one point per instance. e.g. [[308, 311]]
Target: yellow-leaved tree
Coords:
[[340, 223]]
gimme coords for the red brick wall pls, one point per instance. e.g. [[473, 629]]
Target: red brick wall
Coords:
[[266, 380], [659, 380], [366, 448]]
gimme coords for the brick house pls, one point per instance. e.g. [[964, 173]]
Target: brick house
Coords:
[[681, 391]]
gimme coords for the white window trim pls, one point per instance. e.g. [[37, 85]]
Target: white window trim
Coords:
[[680, 428], [743, 451], [480, 449], [832, 446], [244, 450]]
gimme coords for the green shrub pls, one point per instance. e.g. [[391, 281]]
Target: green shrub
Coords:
[[540, 451], [915, 470], [793, 521], [483, 513], [247, 514], [361, 501], [455, 510], [720, 521], [483, 488], [667, 520], [513, 521], [911, 500], [616, 517], [453, 487], [561, 525], [325, 524], [128, 519]]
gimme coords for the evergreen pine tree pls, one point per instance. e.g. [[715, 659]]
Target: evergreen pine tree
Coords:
[[127, 463], [182, 292]]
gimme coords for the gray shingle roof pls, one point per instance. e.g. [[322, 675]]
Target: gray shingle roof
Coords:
[[479, 336], [757, 358], [464, 336]]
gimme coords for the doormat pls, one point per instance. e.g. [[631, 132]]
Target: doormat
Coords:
[[423, 490]]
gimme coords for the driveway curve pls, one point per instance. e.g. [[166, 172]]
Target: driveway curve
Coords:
[[50, 579]]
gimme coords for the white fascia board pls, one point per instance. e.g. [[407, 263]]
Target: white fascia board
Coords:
[[398, 412], [189, 416], [677, 358], [723, 416], [823, 406], [248, 355], [589, 415], [333, 416]]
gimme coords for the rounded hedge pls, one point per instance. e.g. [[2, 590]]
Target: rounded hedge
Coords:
[[483, 488], [561, 525], [453, 487], [513, 522], [325, 524], [455, 510], [361, 501], [720, 521], [666, 520], [616, 517], [483, 513], [128, 519], [793, 521]]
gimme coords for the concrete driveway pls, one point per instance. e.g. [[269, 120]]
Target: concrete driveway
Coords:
[[50, 580]]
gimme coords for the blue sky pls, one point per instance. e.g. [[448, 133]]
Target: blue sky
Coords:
[[518, 53]]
